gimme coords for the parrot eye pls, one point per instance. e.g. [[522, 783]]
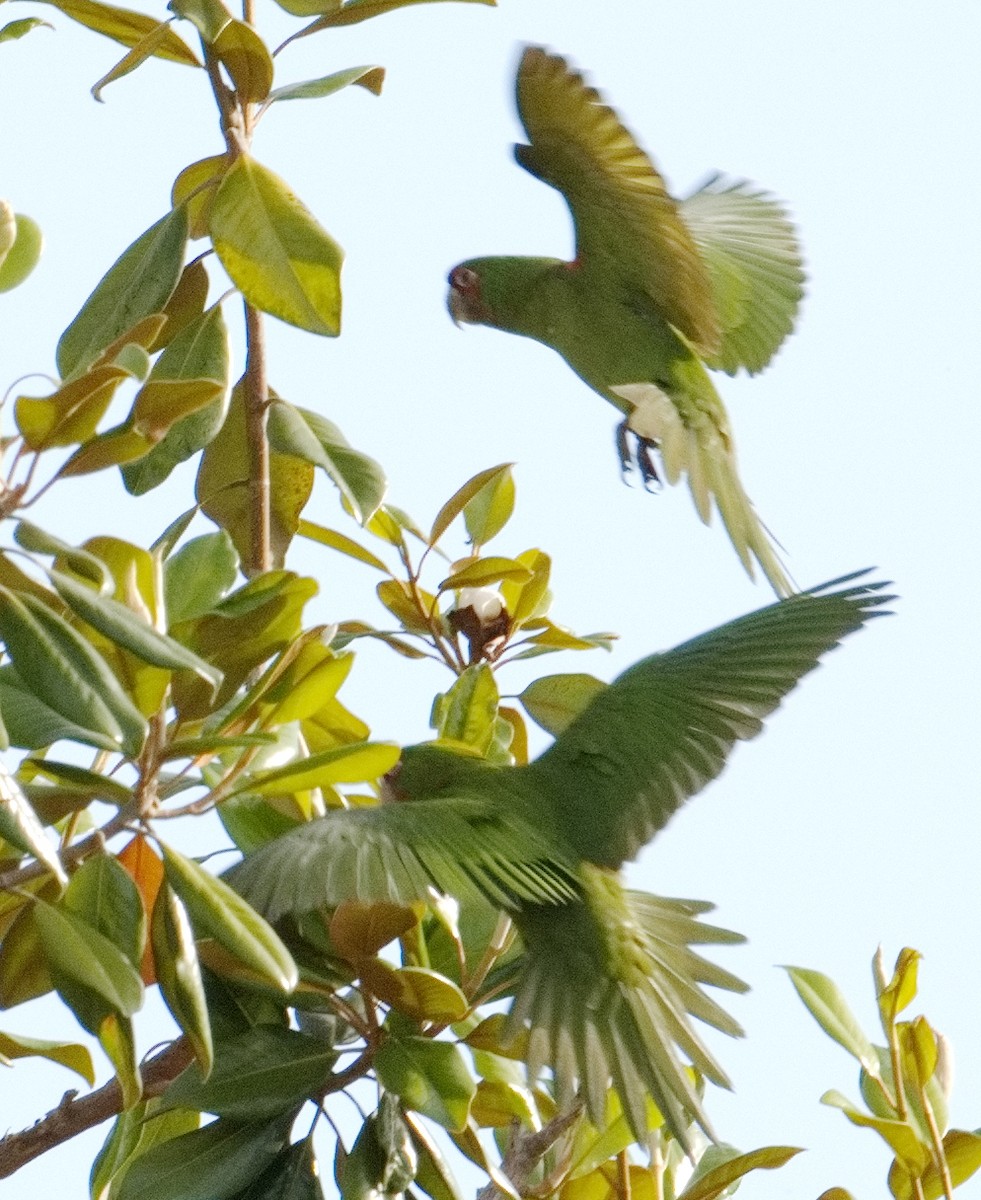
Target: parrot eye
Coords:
[[464, 279]]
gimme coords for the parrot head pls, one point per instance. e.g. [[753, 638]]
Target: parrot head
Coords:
[[428, 770], [464, 299], [494, 291]]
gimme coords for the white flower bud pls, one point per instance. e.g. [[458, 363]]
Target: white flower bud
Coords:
[[486, 602]]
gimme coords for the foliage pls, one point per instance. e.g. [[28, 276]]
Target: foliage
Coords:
[[905, 1084], [145, 685]]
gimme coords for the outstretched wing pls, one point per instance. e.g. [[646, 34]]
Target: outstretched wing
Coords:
[[661, 731], [398, 852], [626, 221], [755, 265], [597, 1021]]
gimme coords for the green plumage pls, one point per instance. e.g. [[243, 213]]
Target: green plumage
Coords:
[[658, 290], [608, 981]]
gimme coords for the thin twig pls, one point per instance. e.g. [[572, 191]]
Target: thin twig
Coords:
[[75, 1114]]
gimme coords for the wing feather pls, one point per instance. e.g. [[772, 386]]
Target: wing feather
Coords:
[[626, 221], [397, 852], [755, 265], [666, 727]]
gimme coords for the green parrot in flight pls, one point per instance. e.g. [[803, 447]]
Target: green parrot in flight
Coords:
[[658, 291], [608, 979]]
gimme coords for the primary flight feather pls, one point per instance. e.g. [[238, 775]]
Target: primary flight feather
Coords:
[[658, 291], [609, 980]]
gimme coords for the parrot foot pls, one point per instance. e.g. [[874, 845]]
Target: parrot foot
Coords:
[[636, 451]]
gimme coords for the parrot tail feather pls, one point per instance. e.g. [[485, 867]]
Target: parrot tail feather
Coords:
[[608, 1009], [694, 441]]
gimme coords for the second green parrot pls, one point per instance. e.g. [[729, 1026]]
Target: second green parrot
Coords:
[[658, 291], [609, 978]]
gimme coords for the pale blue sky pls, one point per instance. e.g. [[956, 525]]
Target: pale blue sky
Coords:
[[855, 819]]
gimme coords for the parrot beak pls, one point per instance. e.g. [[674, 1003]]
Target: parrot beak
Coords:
[[457, 306]]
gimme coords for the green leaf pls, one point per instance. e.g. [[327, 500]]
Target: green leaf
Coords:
[[224, 491], [213, 1163], [82, 562], [525, 600], [898, 1135], [31, 724], [69, 1054], [483, 571], [104, 895], [468, 711], [82, 781], [462, 497], [17, 29], [246, 58], [194, 367], [433, 1174], [341, 543], [554, 701], [20, 826], [218, 911], [123, 627], [24, 973], [257, 1074], [138, 284], [426, 995], [307, 435], [346, 764], [199, 575], [117, 1039], [276, 253], [124, 26], [428, 1076], [716, 1182], [490, 509], [350, 13], [133, 1133], [900, 991], [291, 1176], [71, 413], [828, 1007], [370, 78], [382, 1161], [209, 17], [66, 673], [88, 970], [147, 47], [22, 257]]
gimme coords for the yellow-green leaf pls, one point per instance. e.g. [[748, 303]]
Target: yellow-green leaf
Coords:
[[21, 257], [179, 974], [124, 26], [462, 497], [346, 764], [276, 253], [70, 1054], [247, 60], [195, 188], [370, 78], [218, 911], [359, 929]]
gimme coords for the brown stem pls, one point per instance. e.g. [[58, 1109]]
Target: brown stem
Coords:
[[256, 411], [75, 1114], [122, 820], [526, 1149]]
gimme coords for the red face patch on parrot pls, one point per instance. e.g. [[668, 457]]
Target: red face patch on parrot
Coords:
[[465, 302]]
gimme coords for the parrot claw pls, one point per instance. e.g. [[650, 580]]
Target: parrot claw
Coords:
[[639, 455]]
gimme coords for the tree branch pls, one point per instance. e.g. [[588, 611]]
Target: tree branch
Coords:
[[75, 1114]]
